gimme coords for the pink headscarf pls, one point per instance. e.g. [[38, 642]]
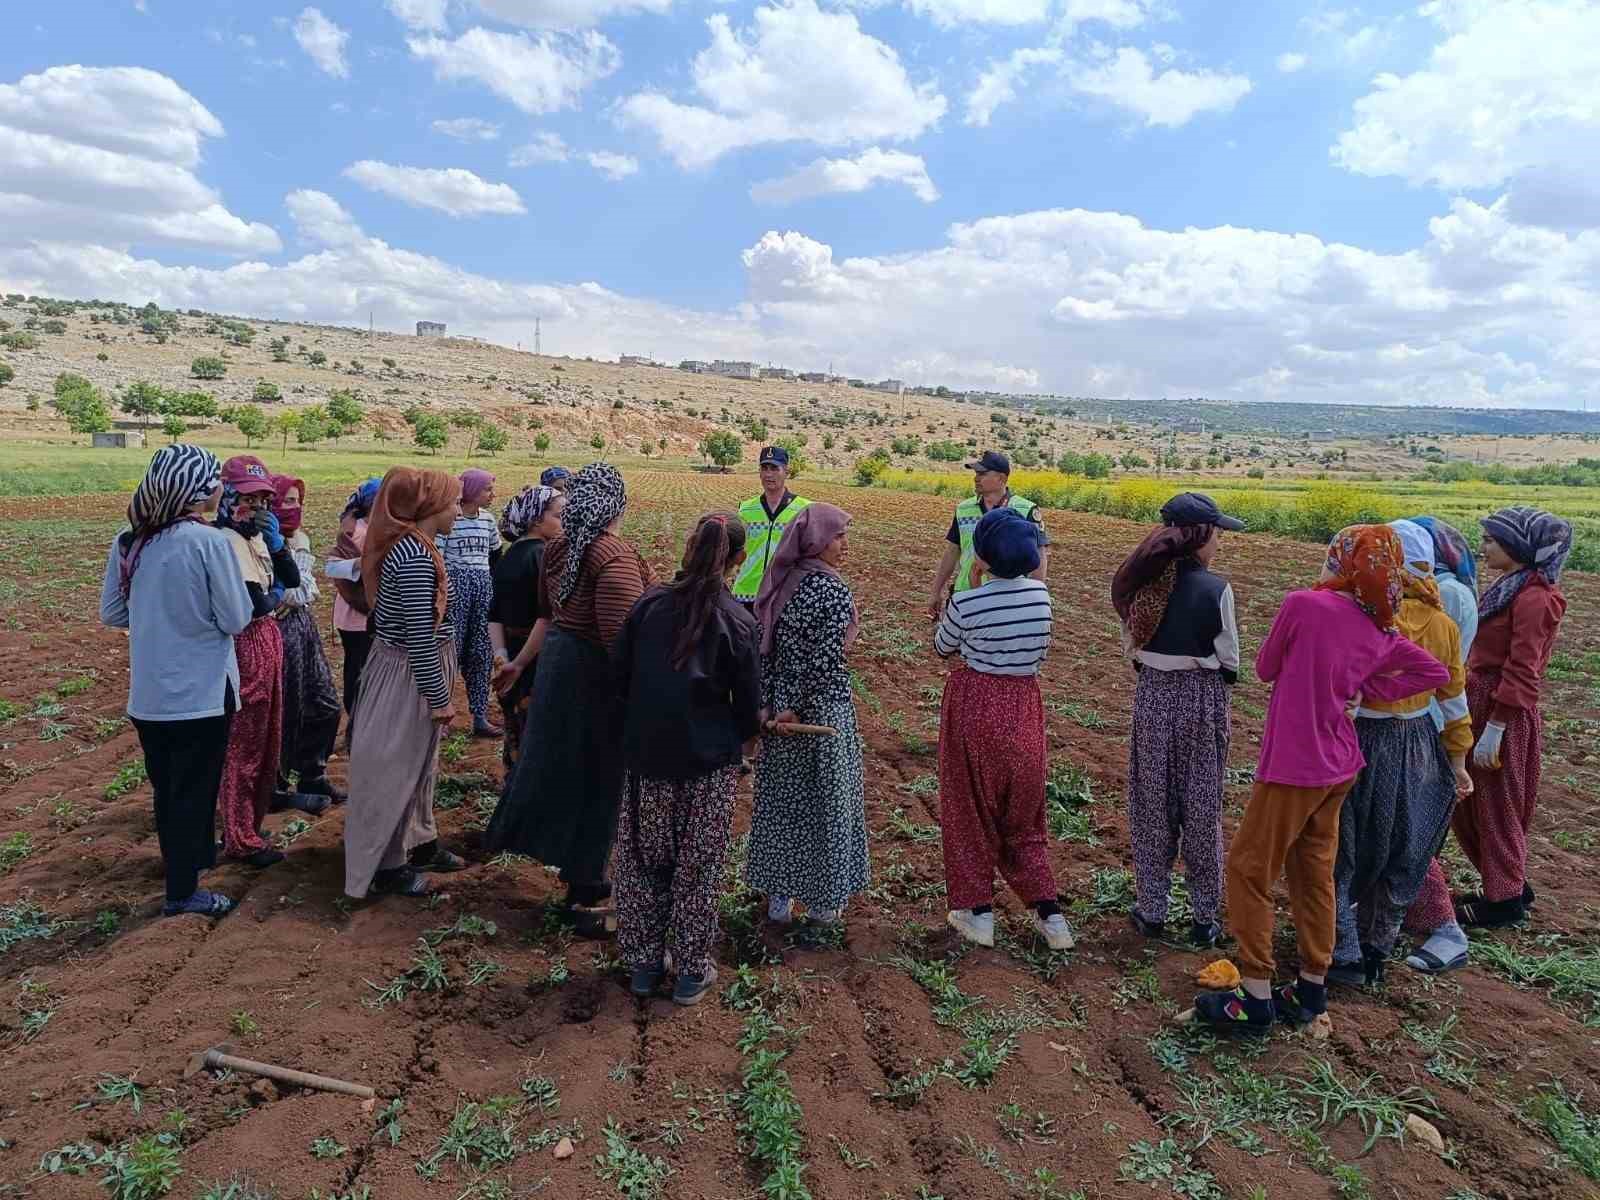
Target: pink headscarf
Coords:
[[475, 481], [808, 535]]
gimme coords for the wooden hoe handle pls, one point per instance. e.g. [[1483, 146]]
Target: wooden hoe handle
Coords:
[[220, 1061]]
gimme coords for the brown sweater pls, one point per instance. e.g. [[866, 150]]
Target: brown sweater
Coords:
[[610, 582]]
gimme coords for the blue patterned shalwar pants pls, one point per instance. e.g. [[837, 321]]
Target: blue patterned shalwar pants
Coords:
[[470, 591]]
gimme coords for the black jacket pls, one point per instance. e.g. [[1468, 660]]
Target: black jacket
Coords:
[[679, 724]]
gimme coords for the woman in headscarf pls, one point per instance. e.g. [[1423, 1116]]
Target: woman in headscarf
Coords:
[[467, 548], [171, 581], [1178, 627], [1396, 816], [808, 833], [516, 627], [390, 839], [310, 700], [561, 804], [688, 670], [255, 738], [1330, 648], [992, 753], [1432, 916], [350, 599], [1518, 620]]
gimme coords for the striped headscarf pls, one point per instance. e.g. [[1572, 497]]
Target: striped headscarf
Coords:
[[596, 498], [1540, 541], [525, 510], [179, 477], [1451, 553], [1367, 564]]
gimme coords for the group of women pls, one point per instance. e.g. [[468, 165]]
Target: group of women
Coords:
[[1402, 706]]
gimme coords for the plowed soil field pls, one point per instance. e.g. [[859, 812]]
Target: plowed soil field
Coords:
[[918, 1069]]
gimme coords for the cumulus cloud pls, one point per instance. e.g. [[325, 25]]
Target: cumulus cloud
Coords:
[[544, 148], [323, 42], [1170, 98], [612, 165], [1289, 63], [798, 74], [468, 129], [830, 176], [999, 82], [454, 190], [537, 74], [108, 153], [565, 14], [948, 13], [425, 15]]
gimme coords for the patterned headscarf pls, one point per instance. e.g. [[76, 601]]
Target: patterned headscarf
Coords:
[[1417, 544], [595, 499], [359, 505], [227, 516], [1143, 583], [179, 477], [475, 481], [808, 535], [1451, 553], [1540, 541], [406, 497], [524, 511], [1368, 565], [288, 518]]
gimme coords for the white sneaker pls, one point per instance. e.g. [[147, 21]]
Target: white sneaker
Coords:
[[1055, 931], [975, 927], [780, 910]]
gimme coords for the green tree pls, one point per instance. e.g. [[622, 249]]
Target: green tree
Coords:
[[799, 464], [266, 392], [89, 414], [174, 426], [492, 439], [430, 431], [284, 424], [869, 469], [316, 358], [541, 442], [208, 366], [314, 426], [195, 405], [345, 412], [143, 400], [722, 447], [755, 428], [251, 422]]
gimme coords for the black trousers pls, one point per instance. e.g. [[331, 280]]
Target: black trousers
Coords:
[[184, 760], [356, 646]]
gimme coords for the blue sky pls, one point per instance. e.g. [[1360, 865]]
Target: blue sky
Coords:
[[1115, 197]]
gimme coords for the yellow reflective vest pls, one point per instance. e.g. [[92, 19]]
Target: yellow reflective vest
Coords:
[[761, 537], [968, 513]]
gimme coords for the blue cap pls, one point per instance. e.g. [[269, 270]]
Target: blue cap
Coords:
[[1008, 542], [774, 456], [1197, 508], [991, 460], [553, 475]]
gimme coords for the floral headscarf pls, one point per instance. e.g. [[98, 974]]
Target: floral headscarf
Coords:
[[596, 498], [359, 506], [1143, 584], [525, 510], [1368, 565], [1540, 541]]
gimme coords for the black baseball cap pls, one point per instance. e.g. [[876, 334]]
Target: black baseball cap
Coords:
[[1196, 508], [991, 460], [774, 456]]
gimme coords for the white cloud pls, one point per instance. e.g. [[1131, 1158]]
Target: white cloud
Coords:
[[1289, 63], [800, 74], [545, 147], [999, 82], [468, 129], [454, 190], [425, 15], [108, 153], [613, 166], [949, 13], [1507, 95], [1342, 30], [1171, 98], [565, 14], [323, 42], [831, 176], [538, 75]]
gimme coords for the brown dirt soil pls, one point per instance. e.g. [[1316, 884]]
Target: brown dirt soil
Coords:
[[295, 967]]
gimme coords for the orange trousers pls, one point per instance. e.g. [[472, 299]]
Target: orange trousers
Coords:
[[1293, 832]]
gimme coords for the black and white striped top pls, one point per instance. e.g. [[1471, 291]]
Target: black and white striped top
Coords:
[[1001, 628], [403, 616]]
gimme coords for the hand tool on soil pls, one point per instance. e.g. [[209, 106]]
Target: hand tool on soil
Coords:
[[787, 728], [222, 1058]]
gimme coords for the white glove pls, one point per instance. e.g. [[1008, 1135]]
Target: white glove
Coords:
[[1486, 754]]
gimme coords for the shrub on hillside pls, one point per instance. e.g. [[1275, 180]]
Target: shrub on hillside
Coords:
[[266, 392], [208, 366], [7, 374], [871, 468], [18, 340]]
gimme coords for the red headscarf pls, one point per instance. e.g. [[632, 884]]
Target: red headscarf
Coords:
[[808, 535], [406, 497], [1368, 564], [288, 519]]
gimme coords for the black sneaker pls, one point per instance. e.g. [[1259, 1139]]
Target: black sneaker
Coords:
[[1149, 929], [645, 980], [1235, 1012], [1205, 934], [323, 786], [1300, 1002], [691, 988], [264, 858]]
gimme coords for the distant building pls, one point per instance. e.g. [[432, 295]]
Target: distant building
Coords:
[[430, 328], [694, 366], [895, 387], [636, 360], [736, 370], [119, 440], [777, 373], [814, 377], [860, 383]]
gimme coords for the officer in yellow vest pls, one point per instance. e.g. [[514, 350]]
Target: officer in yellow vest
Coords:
[[991, 488], [765, 518]]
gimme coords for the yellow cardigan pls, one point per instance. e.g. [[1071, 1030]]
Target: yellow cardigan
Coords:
[[1433, 630]]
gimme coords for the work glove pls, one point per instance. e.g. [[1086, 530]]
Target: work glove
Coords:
[[267, 526], [1486, 754]]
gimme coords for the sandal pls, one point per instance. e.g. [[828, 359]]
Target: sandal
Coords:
[[1425, 960], [1491, 914], [201, 903], [402, 881]]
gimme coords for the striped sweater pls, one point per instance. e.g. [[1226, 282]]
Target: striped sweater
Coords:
[[403, 616], [1001, 628]]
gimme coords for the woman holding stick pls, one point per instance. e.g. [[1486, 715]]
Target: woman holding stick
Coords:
[[808, 833]]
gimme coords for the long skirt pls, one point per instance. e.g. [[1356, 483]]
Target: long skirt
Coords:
[[1392, 824], [394, 765], [1177, 767], [672, 838], [310, 699], [255, 739], [1492, 824], [561, 804], [470, 592], [808, 832], [991, 788], [514, 705]]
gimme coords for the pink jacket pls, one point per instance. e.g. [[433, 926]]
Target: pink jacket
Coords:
[[345, 617], [1322, 651]]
